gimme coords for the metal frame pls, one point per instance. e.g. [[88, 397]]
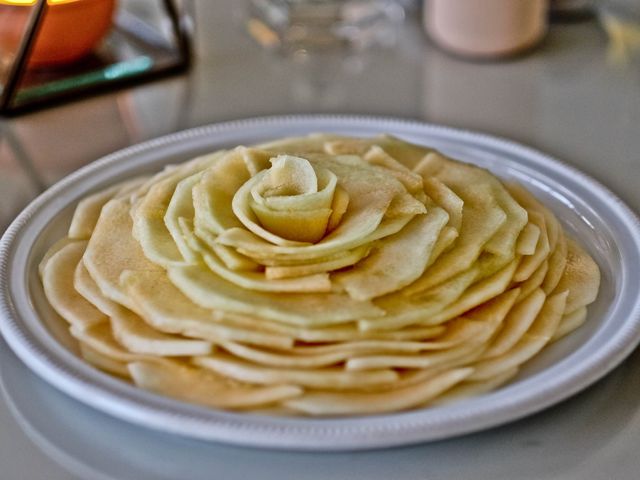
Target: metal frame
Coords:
[[19, 68]]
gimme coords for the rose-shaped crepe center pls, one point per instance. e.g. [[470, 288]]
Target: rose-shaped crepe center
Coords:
[[292, 200]]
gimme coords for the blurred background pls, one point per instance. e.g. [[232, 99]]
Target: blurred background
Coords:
[[557, 74], [562, 76]]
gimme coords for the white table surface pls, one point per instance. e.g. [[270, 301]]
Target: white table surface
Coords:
[[565, 98]]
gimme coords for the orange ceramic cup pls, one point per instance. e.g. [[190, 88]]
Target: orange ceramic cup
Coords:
[[70, 30]]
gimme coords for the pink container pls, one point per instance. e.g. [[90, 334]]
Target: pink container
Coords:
[[485, 28]]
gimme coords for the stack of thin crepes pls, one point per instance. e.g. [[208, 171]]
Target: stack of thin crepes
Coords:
[[321, 275]]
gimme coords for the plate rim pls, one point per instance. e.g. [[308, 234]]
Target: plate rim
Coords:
[[69, 374]]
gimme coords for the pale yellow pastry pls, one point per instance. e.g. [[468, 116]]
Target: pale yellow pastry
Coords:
[[319, 275]]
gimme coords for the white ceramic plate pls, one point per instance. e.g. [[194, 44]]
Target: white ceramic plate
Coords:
[[588, 211]]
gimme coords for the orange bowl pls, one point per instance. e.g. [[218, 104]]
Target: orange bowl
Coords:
[[70, 29]]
